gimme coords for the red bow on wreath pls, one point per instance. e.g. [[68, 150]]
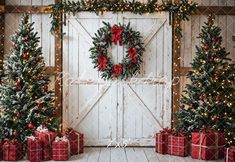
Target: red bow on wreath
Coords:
[[117, 34], [132, 53], [117, 70], [102, 61]]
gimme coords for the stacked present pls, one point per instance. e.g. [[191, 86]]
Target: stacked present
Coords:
[[161, 141], [44, 146], [229, 154], [172, 142], [34, 152], [0, 149], [76, 146], [208, 145], [46, 137], [178, 144], [12, 150], [61, 149]]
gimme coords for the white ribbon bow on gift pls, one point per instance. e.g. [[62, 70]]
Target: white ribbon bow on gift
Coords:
[[32, 137], [42, 129], [64, 138]]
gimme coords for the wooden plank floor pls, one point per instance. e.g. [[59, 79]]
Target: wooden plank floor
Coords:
[[129, 154]]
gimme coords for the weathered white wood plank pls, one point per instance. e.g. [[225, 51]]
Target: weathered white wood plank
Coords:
[[151, 154], [105, 155], [195, 32], [214, 3], [222, 22], [230, 3], [118, 155], [26, 2], [229, 32], [188, 42], [84, 156], [93, 155]]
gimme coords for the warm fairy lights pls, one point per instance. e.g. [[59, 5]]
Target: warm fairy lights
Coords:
[[180, 10]]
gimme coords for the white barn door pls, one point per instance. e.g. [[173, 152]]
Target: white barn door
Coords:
[[118, 111]]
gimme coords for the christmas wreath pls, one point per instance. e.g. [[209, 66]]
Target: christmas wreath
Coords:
[[122, 35]]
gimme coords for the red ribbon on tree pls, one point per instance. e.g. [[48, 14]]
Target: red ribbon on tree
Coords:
[[117, 34], [132, 54], [102, 61], [117, 70]]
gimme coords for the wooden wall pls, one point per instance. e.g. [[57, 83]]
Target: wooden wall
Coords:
[[42, 26], [192, 28]]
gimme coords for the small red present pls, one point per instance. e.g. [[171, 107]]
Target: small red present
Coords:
[[81, 143], [34, 149], [161, 140], [61, 149], [12, 151], [47, 137], [76, 140], [229, 154], [0, 149], [178, 145], [207, 145]]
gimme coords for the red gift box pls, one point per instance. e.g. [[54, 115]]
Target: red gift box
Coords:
[[76, 140], [34, 149], [178, 145], [229, 154], [207, 145], [61, 149], [0, 149], [46, 137], [161, 143], [81, 143], [12, 151]]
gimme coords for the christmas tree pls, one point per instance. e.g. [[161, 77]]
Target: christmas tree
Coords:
[[209, 99], [25, 101]]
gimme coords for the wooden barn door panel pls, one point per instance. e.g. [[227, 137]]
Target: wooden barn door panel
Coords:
[[117, 111], [89, 103], [146, 100]]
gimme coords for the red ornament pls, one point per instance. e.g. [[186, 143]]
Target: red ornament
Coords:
[[40, 105], [37, 59], [18, 115], [216, 76], [214, 39], [191, 106], [206, 47], [217, 98], [26, 56], [45, 88], [25, 38], [18, 85], [201, 97], [54, 114], [15, 133], [30, 125], [40, 78]]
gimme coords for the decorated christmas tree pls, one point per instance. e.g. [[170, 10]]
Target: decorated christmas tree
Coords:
[[25, 101], [209, 99]]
